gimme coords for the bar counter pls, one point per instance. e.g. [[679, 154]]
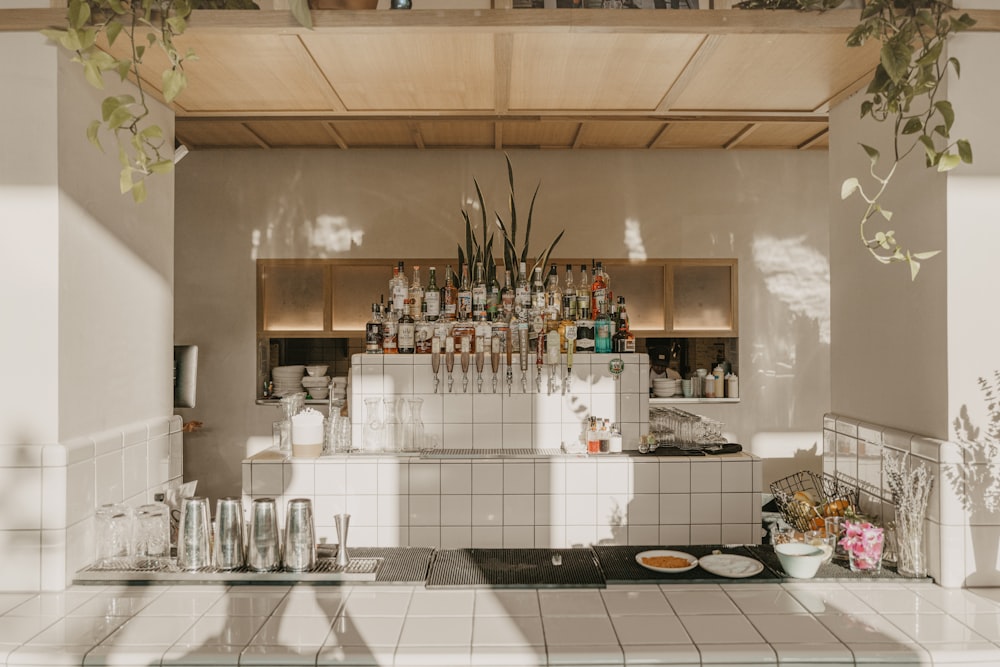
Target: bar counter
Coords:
[[808, 623]]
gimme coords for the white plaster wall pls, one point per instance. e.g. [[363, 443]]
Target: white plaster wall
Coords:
[[889, 361], [768, 209]]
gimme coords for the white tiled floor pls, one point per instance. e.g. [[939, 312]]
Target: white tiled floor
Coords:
[[732, 624]]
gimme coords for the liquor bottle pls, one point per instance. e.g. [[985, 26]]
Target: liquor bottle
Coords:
[[583, 292], [373, 332], [389, 333], [507, 297], [553, 296], [624, 339], [493, 297], [609, 295], [537, 290], [449, 295], [585, 331], [416, 294], [407, 336], [424, 330], [479, 293], [602, 333], [569, 295], [399, 289], [465, 295], [432, 297], [522, 294], [599, 293]]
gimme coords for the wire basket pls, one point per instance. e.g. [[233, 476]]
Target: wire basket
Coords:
[[831, 495]]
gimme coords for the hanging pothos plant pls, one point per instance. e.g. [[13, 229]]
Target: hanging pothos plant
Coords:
[[95, 25], [906, 91]]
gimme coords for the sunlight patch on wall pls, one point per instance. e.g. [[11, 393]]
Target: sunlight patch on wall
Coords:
[[799, 276], [633, 240], [332, 233]]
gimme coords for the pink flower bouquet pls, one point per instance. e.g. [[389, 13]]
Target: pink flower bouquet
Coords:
[[863, 543]]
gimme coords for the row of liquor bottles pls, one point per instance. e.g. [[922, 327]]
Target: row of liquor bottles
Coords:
[[583, 311]]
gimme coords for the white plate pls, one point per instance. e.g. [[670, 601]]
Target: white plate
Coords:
[[732, 566], [666, 552]]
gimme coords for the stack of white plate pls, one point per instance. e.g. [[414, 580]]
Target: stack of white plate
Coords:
[[287, 379], [664, 388], [339, 387], [317, 386]]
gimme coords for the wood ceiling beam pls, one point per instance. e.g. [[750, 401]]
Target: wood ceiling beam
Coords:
[[813, 140], [728, 115], [498, 136], [578, 137], [741, 136], [418, 139], [857, 85], [335, 135], [690, 71], [503, 58], [307, 62], [259, 140], [659, 135]]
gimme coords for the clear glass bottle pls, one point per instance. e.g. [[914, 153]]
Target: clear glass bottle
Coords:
[[585, 332], [413, 428], [537, 290], [407, 336], [479, 292], [583, 292], [569, 295], [449, 296], [507, 297], [465, 295], [624, 339], [424, 331], [553, 296], [599, 293], [389, 333], [373, 331], [522, 294], [416, 293], [602, 333], [400, 290], [493, 297], [432, 296]]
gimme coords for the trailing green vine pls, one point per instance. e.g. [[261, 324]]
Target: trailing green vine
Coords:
[[143, 148], [906, 91]]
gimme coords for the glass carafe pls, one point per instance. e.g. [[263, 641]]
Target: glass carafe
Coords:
[[290, 406], [413, 429], [374, 425], [391, 427]]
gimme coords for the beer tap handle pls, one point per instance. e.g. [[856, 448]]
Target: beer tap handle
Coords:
[[466, 351], [480, 363], [570, 348], [522, 333], [495, 360], [510, 361], [436, 361], [539, 359], [449, 360]]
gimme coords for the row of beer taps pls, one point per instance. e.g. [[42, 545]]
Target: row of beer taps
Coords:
[[547, 353]]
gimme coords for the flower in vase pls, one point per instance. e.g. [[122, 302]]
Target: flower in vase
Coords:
[[863, 543]]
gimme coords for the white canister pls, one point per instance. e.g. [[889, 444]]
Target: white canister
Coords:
[[708, 386], [732, 386]]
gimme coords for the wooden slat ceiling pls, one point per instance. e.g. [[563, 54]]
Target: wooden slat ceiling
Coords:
[[648, 79]]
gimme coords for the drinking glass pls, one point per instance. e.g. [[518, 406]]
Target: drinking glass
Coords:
[[113, 535], [151, 530]]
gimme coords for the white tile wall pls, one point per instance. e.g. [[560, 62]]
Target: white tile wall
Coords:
[[544, 502], [50, 493], [961, 529], [521, 419]]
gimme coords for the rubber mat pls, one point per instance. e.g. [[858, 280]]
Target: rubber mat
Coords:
[[400, 565], [620, 567], [515, 568]]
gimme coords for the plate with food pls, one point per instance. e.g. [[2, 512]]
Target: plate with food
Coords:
[[732, 566], [666, 560]]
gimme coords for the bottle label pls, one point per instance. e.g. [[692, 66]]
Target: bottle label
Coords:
[[373, 338], [407, 337], [433, 300], [424, 336], [389, 336], [400, 293], [464, 305]]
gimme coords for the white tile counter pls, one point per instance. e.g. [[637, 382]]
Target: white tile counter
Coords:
[[730, 624]]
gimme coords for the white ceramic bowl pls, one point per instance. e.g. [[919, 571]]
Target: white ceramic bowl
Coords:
[[319, 393], [316, 371], [799, 560]]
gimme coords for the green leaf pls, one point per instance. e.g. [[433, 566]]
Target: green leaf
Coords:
[[913, 126], [956, 66], [79, 14], [139, 192], [887, 215], [71, 40], [929, 149], [92, 73], [125, 179], [895, 58], [140, 51], [151, 132], [112, 30], [914, 267], [932, 55], [872, 152], [177, 24], [926, 255], [119, 117], [162, 167], [92, 129], [116, 6], [123, 67], [947, 113], [948, 162], [848, 187], [174, 82], [965, 151], [54, 34], [300, 10], [880, 238]]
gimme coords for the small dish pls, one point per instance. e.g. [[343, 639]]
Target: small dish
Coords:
[[732, 566], [661, 553]]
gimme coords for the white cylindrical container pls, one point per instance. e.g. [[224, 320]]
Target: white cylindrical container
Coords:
[[732, 386], [307, 434], [709, 386]]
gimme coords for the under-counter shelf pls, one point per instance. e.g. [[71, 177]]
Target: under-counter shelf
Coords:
[[673, 400]]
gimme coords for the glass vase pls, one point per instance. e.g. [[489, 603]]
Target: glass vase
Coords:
[[413, 429], [910, 558], [372, 440]]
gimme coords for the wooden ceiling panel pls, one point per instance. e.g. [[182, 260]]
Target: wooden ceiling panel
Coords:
[[293, 133], [376, 133], [446, 71], [618, 134], [214, 134], [781, 135], [457, 134], [596, 71], [742, 73], [698, 134], [541, 133]]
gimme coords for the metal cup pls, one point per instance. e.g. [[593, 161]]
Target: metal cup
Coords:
[[343, 522], [263, 543], [300, 536], [193, 543], [229, 550]]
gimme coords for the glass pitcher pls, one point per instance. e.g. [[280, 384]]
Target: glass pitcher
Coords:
[[413, 429], [374, 425], [391, 428]]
